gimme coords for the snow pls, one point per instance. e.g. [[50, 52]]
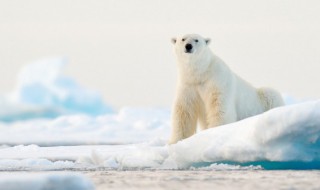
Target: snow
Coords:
[[282, 138], [44, 92], [45, 181]]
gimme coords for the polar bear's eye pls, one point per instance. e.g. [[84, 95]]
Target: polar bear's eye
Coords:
[[183, 39], [196, 40]]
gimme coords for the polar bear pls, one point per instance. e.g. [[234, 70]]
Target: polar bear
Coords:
[[209, 93]]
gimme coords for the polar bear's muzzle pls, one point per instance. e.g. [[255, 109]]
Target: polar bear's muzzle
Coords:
[[188, 48]]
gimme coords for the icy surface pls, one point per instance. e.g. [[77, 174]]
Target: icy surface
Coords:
[[282, 138], [43, 91], [47, 181]]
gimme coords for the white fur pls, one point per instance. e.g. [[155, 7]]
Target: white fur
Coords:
[[209, 93]]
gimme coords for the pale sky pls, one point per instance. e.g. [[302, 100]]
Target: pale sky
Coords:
[[122, 48]]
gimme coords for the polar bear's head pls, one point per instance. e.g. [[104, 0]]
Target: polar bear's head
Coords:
[[190, 45]]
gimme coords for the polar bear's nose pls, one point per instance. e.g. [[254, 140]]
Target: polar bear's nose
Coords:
[[188, 47]]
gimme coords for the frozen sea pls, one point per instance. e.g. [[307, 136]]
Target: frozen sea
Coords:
[[55, 134], [187, 179]]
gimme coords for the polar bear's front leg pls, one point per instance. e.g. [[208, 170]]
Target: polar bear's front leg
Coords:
[[215, 109], [184, 117]]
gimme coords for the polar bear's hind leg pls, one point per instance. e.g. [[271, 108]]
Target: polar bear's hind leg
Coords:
[[270, 98]]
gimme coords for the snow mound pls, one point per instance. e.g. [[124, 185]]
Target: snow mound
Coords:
[[45, 181], [287, 135], [43, 92]]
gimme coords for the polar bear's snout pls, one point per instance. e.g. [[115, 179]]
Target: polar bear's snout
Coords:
[[188, 48]]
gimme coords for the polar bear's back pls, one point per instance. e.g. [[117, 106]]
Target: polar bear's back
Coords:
[[248, 102], [252, 101]]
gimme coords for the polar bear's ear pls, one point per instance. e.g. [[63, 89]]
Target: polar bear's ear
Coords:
[[208, 40], [173, 40]]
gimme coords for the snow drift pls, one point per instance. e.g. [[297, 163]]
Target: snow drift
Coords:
[[43, 92], [282, 138]]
